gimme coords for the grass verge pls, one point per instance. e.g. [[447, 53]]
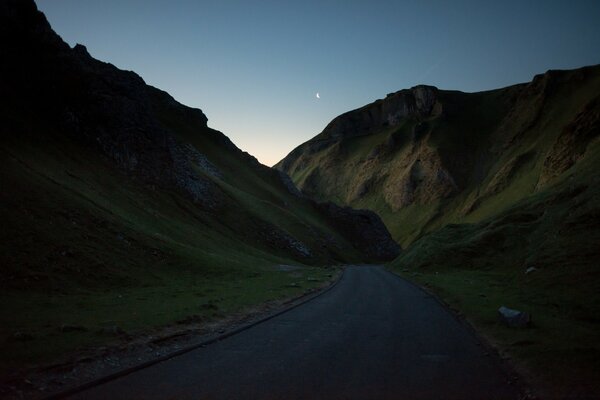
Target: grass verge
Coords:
[[47, 328], [559, 355]]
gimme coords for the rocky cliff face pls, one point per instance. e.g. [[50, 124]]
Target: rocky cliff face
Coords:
[[418, 102], [364, 229], [449, 155], [101, 105]]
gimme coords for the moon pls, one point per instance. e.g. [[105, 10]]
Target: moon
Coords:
[[318, 96]]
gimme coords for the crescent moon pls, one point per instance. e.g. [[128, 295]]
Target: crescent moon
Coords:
[[318, 96]]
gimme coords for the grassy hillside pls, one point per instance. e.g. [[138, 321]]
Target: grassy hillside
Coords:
[[84, 245], [466, 158], [122, 211], [479, 267]]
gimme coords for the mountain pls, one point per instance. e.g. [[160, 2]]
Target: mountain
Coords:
[[496, 198], [118, 201], [423, 158]]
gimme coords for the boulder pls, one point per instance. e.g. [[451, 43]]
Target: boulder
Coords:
[[530, 270], [514, 318]]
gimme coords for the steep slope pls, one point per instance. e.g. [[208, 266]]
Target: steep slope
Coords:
[[496, 197], [120, 206]]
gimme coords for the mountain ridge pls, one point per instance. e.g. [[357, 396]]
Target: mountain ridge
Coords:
[[454, 146]]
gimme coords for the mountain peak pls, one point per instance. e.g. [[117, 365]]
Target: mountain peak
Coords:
[[81, 50]]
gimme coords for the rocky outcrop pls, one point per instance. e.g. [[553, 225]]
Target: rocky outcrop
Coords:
[[278, 239], [418, 178], [102, 106], [423, 157], [419, 101], [288, 184], [364, 229]]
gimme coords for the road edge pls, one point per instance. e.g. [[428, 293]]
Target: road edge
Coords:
[[119, 374], [506, 366]]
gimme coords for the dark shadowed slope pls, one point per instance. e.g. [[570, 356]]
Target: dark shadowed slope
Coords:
[[373, 336], [118, 201]]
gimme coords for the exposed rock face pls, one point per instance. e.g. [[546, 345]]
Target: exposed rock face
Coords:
[[101, 105], [278, 239], [289, 185], [364, 229], [422, 179], [418, 101], [447, 154], [183, 175]]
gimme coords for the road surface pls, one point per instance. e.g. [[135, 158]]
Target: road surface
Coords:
[[373, 336]]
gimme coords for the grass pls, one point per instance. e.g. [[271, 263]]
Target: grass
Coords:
[[85, 244], [478, 267], [135, 309], [471, 137], [559, 354]]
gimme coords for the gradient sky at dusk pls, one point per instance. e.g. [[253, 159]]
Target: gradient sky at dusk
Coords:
[[254, 67]]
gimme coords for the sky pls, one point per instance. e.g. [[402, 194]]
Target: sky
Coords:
[[254, 67]]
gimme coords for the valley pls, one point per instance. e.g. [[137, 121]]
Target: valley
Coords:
[[126, 220]]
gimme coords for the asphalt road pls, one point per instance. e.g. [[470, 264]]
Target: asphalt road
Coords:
[[373, 336]]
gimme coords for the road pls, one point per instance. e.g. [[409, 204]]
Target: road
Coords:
[[372, 336]]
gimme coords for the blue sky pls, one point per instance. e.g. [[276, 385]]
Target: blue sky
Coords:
[[254, 67]]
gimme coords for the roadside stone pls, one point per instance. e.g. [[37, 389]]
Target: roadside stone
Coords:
[[514, 318], [530, 270]]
